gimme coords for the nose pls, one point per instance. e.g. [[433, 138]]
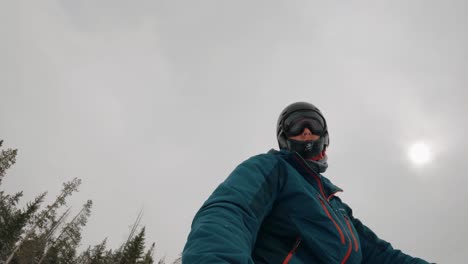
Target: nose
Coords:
[[306, 132], [306, 135]]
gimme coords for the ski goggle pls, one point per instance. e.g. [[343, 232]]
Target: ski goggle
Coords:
[[298, 121]]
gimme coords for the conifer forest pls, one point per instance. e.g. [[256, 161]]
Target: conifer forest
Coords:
[[40, 233]]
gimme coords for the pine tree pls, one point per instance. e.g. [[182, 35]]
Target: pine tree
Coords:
[[148, 258], [13, 220], [42, 221], [48, 215], [116, 256], [133, 252], [7, 159], [85, 256], [63, 248], [31, 250], [29, 236], [98, 254]]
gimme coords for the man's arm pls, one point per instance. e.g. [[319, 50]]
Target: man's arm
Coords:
[[225, 228], [376, 250]]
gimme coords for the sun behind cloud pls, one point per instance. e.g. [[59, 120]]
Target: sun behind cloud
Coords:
[[420, 153]]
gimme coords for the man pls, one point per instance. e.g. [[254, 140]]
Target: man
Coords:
[[279, 208]]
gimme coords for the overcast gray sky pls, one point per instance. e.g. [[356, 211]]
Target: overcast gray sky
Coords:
[[153, 103]]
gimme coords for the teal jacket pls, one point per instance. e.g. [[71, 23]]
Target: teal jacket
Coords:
[[274, 208]]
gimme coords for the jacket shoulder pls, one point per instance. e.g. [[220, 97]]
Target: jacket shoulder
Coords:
[[272, 157], [263, 162], [261, 166]]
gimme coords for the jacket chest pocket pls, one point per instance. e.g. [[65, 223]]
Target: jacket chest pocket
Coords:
[[346, 224], [333, 219]]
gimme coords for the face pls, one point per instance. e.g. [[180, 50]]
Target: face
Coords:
[[306, 135]]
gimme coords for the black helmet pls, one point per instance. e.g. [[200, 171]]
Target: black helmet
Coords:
[[300, 110]]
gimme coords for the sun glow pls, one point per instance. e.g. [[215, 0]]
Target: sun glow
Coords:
[[420, 153]]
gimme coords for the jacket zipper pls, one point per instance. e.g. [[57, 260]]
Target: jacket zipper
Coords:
[[350, 248], [350, 245], [333, 220], [292, 251], [304, 164], [356, 245]]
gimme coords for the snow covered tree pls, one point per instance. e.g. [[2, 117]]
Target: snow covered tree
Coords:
[[63, 248], [148, 258], [7, 159], [98, 253], [43, 221], [35, 235], [133, 252], [14, 220]]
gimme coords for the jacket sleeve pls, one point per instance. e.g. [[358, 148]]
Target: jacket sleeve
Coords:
[[376, 250], [224, 230]]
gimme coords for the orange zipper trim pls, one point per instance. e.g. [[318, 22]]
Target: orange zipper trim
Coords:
[[293, 250], [356, 245], [349, 252], [333, 220], [333, 194], [319, 183]]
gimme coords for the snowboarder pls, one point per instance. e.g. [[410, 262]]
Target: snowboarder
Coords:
[[278, 207]]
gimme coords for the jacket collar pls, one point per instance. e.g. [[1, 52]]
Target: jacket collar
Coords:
[[301, 165]]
